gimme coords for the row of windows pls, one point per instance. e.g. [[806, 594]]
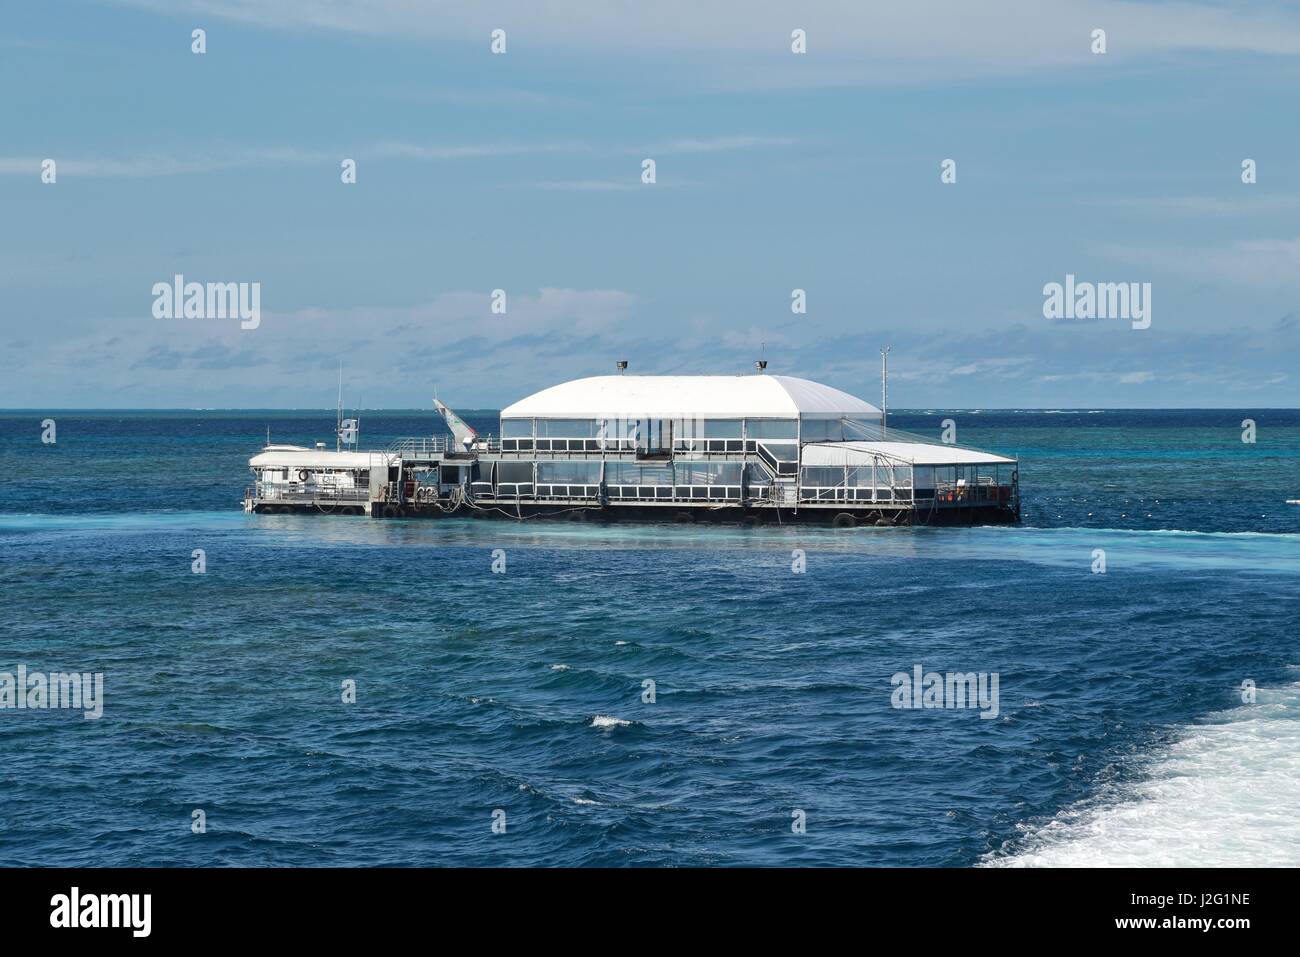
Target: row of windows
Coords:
[[729, 473], [785, 451], [903, 476], [627, 473], [857, 477], [664, 430], [670, 492], [631, 473]]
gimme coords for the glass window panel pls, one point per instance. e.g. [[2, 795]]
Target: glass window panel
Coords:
[[861, 477], [829, 477], [854, 428], [772, 429], [622, 473], [568, 472], [514, 471], [723, 428], [567, 428], [820, 430], [783, 451], [709, 473], [688, 428], [516, 428], [725, 473], [629, 473], [690, 473]]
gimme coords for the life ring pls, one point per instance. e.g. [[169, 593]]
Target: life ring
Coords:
[[304, 475]]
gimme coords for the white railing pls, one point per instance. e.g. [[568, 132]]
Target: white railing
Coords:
[[440, 445], [296, 492], [864, 494]]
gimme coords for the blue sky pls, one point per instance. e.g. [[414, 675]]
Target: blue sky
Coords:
[[522, 172]]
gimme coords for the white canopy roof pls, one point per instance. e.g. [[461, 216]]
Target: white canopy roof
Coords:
[[299, 458], [689, 397], [859, 453]]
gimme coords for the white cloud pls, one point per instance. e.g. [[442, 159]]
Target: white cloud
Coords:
[[1273, 263], [216, 159], [588, 185], [848, 41], [1247, 201], [1137, 378]]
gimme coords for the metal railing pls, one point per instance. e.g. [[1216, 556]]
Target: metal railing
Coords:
[[440, 445], [982, 493], [423, 446], [296, 492], [864, 494], [947, 494]]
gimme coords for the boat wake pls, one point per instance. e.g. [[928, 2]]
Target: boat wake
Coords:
[[1223, 795]]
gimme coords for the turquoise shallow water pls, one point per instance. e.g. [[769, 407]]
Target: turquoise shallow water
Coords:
[[1119, 708]]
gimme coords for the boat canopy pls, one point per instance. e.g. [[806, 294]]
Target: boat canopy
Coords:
[[915, 453], [300, 458], [691, 397]]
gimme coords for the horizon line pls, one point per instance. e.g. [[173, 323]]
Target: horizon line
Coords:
[[470, 409]]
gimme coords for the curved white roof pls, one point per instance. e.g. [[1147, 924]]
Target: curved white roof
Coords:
[[689, 397], [297, 457], [859, 453]]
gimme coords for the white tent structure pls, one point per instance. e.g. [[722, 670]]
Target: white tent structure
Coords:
[[712, 447], [691, 397], [296, 458], [912, 453]]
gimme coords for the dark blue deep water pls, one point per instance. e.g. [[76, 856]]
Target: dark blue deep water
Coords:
[[1121, 733]]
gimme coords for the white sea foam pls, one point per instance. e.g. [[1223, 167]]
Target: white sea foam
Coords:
[[1225, 794], [604, 721]]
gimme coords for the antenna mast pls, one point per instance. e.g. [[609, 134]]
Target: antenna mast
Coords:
[[884, 387], [338, 419]]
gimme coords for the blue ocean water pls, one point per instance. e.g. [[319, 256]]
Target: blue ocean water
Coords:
[[1121, 734]]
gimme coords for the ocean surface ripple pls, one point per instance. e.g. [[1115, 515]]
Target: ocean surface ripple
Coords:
[[1123, 734]]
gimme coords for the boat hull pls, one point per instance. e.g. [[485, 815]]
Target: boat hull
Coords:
[[677, 514]]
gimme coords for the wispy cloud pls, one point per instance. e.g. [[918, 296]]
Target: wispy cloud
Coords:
[[395, 353], [225, 158], [847, 42], [1254, 263], [586, 185], [218, 159], [1250, 200]]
